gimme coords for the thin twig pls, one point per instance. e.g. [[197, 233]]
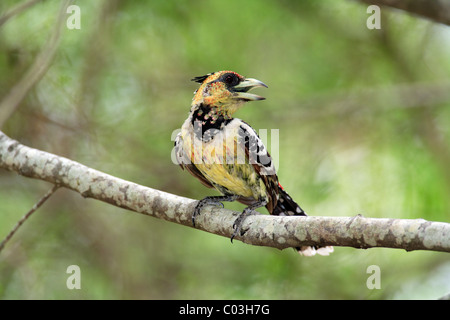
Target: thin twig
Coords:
[[40, 66], [434, 10], [36, 206], [17, 10]]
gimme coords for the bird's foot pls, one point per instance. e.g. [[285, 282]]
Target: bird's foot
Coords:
[[237, 225], [250, 210], [213, 201]]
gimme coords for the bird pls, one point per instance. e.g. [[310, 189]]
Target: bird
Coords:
[[227, 154]]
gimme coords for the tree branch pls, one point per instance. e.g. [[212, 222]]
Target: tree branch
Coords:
[[12, 100], [27, 215], [262, 230], [17, 10], [435, 10]]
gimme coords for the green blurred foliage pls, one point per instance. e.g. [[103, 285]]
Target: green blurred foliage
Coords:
[[363, 130]]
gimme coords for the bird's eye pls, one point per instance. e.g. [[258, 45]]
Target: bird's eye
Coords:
[[231, 79]]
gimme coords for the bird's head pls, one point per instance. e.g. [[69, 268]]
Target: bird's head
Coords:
[[225, 90]]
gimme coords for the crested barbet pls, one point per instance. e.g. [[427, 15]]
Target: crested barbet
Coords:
[[227, 154]]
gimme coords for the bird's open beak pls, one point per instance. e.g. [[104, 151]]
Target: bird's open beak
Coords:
[[241, 90]]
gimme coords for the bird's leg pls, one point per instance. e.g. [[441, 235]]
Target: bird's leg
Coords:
[[213, 200], [247, 211]]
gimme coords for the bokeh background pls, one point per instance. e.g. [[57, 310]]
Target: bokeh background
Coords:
[[363, 118]]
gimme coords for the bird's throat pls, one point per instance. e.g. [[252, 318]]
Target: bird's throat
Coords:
[[205, 118]]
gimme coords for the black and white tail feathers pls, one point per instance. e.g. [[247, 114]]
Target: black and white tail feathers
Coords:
[[286, 206]]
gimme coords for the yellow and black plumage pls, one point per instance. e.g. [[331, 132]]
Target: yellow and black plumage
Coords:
[[227, 154]]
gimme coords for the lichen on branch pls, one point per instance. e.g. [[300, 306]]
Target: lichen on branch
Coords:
[[263, 230]]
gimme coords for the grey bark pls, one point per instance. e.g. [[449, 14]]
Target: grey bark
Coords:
[[262, 230]]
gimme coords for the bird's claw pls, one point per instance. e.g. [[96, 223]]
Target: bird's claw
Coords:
[[203, 203], [237, 225]]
